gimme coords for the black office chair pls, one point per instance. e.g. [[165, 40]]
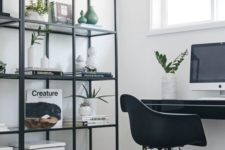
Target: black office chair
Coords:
[[153, 129]]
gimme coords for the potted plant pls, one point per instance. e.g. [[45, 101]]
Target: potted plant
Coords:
[[90, 99], [170, 68], [37, 11], [2, 67], [36, 37]]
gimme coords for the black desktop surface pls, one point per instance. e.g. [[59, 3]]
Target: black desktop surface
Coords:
[[206, 109]]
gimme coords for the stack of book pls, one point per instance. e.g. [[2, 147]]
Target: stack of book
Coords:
[[6, 148], [97, 74], [92, 120], [84, 121], [41, 71], [3, 127]]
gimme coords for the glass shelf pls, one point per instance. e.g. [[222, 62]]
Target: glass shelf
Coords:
[[50, 129], [65, 29], [49, 77], [4, 20], [92, 31], [94, 78], [9, 76]]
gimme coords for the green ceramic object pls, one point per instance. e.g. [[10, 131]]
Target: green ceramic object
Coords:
[[82, 19], [91, 16]]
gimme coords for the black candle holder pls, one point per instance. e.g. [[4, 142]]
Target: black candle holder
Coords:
[[1, 9]]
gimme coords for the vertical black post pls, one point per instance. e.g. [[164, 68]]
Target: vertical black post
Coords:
[[74, 74], [116, 77], [1, 6], [90, 129], [21, 73], [47, 55]]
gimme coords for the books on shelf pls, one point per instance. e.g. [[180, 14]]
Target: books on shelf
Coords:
[[43, 145], [3, 128], [41, 71], [91, 74], [97, 74], [6, 148], [85, 121]]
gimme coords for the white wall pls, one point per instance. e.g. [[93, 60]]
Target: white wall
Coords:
[[140, 74], [60, 56]]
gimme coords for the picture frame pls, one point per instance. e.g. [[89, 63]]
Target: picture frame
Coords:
[[61, 13]]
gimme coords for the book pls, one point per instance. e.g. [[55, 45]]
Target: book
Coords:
[[93, 118], [92, 123], [6, 148], [41, 71], [44, 102], [96, 74], [43, 145]]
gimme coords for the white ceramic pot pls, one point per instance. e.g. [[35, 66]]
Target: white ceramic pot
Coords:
[[93, 105], [169, 86], [32, 15], [44, 62], [85, 111], [32, 54]]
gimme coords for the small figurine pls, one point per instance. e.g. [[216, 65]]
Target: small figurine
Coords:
[[91, 59], [82, 19], [2, 67], [80, 64]]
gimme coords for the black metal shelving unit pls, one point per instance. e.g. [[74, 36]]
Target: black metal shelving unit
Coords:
[[69, 30]]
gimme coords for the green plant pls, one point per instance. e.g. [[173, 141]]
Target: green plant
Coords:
[[2, 66], [172, 66], [93, 94], [40, 7], [36, 37]]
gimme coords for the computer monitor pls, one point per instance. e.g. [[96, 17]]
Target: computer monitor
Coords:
[[207, 69]]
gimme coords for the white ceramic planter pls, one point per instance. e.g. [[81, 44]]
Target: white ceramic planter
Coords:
[[85, 111], [32, 53], [169, 86], [44, 62], [93, 105], [32, 15]]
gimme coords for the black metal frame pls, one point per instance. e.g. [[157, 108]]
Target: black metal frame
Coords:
[[21, 77]]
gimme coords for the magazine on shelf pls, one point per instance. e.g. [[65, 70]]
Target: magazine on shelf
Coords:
[[44, 102]]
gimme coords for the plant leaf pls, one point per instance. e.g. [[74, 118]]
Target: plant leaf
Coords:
[[102, 99], [86, 91]]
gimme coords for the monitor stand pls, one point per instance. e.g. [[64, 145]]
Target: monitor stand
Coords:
[[221, 96]]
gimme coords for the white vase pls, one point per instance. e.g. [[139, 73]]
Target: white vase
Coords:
[[169, 86], [85, 111], [91, 58], [32, 54], [44, 62], [93, 105], [32, 15]]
